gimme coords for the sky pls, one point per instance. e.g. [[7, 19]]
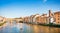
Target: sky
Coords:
[[22, 8]]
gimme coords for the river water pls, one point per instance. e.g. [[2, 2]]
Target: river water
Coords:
[[27, 28]]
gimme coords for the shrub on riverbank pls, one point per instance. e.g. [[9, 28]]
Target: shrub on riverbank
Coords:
[[51, 25]]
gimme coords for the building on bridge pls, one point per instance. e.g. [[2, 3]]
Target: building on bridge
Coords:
[[19, 19]]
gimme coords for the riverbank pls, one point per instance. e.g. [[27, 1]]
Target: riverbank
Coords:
[[2, 23], [50, 24]]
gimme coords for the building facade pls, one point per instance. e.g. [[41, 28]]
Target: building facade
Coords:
[[57, 17], [54, 17], [26, 19]]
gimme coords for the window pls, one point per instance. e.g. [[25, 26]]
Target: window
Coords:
[[58, 18], [58, 22], [58, 15]]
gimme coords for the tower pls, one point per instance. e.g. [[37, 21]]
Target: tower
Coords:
[[51, 18]]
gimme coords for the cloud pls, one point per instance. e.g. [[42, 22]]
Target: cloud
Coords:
[[44, 1]]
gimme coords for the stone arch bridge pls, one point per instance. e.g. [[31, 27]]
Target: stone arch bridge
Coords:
[[17, 20]]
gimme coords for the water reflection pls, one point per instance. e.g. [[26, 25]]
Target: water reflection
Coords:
[[27, 28]]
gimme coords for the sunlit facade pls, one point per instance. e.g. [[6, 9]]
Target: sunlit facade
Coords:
[[54, 17], [42, 19], [57, 17], [26, 19]]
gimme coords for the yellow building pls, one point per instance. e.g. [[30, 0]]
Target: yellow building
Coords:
[[31, 18], [42, 19], [26, 19], [57, 17], [39, 19]]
